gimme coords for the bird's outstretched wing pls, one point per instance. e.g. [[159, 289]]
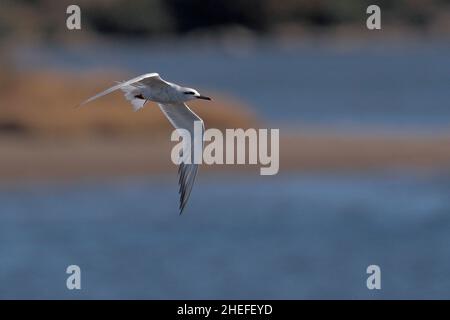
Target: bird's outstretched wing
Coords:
[[151, 80], [181, 117]]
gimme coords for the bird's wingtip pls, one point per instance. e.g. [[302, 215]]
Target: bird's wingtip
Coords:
[[79, 105], [181, 208]]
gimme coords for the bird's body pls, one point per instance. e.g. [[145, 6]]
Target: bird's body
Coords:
[[171, 99]]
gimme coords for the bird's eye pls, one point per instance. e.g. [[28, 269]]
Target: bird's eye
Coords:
[[189, 92]]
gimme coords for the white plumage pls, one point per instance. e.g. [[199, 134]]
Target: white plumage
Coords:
[[171, 99]]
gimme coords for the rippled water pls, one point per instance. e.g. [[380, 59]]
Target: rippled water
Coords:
[[297, 237]]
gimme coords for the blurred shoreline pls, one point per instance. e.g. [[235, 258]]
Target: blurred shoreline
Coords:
[[43, 137], [34, 159]]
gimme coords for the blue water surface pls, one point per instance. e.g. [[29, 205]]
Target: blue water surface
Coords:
[[304, 236]]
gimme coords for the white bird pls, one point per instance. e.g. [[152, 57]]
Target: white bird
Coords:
[[171, 99]]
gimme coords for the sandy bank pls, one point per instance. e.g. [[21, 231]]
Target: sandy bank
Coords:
[[25, 159]]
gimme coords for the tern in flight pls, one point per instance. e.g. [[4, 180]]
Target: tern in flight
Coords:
[[171, 99]]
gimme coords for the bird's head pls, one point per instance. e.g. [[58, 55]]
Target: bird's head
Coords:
[[191, 94]]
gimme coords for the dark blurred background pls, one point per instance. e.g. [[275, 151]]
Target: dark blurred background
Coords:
[[364, 150], [159, 19]]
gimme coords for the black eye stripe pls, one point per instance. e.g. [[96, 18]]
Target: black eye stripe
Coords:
[[189, 92]]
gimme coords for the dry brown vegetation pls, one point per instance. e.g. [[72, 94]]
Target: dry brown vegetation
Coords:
[[43, 104]]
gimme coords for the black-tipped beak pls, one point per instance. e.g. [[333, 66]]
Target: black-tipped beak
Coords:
[[203, 98]]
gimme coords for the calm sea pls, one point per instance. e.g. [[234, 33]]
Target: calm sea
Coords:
[[304, 236]]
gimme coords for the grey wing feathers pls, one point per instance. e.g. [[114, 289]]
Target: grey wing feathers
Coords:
[[181, 117], [186, 179], [145, 78]]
